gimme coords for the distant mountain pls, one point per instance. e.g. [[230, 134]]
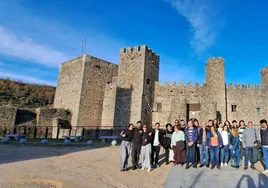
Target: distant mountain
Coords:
[[24, 95]]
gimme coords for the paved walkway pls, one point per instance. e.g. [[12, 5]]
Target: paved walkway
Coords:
[[227, 177]]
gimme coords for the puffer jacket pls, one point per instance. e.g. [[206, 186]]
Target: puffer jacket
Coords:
[[264, 137], [257, 152]]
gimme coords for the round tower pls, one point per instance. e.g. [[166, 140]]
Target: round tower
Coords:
[[215, 85], [264, 78]]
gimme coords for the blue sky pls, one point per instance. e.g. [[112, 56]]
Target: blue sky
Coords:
[[36, 36]]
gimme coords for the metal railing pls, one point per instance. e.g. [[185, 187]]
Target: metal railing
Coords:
[[87, 132]]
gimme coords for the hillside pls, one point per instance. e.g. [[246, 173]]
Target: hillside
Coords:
[[24, 95]]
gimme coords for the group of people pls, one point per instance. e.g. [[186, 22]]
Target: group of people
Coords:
[[211, 144]]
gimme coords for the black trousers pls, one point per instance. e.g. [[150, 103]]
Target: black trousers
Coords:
[[167, 155], [155, 150], [135, 154]]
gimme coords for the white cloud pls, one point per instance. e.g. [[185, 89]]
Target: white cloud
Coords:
[[25, 78], [206, 24], [27, 49]]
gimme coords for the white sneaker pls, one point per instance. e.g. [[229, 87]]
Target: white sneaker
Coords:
[[142, 168], [149, 169], [157, 166], [221, 164], [265, 172], [225, 164]]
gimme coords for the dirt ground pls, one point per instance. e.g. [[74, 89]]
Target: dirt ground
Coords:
[[64, 167]]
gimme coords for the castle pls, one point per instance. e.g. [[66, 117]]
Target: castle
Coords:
[[100, 93]]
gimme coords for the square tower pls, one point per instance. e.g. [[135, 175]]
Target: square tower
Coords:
[[137, 73]]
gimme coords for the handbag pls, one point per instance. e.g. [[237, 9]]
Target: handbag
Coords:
[[257, 141]]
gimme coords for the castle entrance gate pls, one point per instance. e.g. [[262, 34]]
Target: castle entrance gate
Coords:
[[193, 111]]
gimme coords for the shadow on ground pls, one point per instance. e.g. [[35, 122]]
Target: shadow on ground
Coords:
[[33, 149]]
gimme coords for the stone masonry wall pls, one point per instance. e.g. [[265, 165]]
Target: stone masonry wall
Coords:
[[69, 87], [170, 103], [247, 100], [45, 116], [7, 116], [109, 104], [97, 74], [151, 75]]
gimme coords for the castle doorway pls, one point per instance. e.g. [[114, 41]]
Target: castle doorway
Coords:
[[193, 110]]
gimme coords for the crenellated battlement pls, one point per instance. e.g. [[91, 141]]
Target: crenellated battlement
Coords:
[[243, 87], [264, 70], [214, 60], [139, 49], [174, 85]]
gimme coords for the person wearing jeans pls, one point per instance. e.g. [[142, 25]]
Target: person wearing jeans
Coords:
[[235, 146], [264, 142], [248, 139], [214, 143], [225, 134], [202, 141], [191, 136]]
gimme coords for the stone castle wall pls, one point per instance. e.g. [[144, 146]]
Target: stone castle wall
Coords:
[[109, 104], [45, 116], [68, 92], [97, 74], [247, 100], [7, 116]]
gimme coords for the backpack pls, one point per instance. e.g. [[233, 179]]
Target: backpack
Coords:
[[233, 160]]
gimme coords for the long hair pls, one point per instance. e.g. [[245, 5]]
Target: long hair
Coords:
[[235, 133], [228, 130], [213, 126]]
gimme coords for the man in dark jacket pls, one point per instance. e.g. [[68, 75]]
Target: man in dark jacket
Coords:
[[191, 137], [156, 138], [264, 142], [202, 141], [136, 145], [125, 147]]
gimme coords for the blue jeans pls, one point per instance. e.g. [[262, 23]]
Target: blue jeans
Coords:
[[225, 154], [214, 155], [190, 154], [265, 156], [203, 154], [248, 156], [237, 154]]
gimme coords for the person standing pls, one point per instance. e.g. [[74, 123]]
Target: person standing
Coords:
[[178, 145], [242, 128], [202, 141], [191, 136], [125, 147], [264, 142], [136, 145], [146, 149], [248, 139], [183, 125], [235, 146], [214, 143], [166, 142], [225, 134], [156, 136]]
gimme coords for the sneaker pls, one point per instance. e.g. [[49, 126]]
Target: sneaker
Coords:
[[157, 166], [134, 168], [207, 165], [221, 164], [201, 165], [253, 167], [187, 166], [149, 169], [265, 172], [142, 168], [218, 167], [225, 164], [194, 166], [212, 167], [245, 168]]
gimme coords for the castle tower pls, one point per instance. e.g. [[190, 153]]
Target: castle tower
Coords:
[[137, 73], [264, 78], [81, 88], [215, 85]]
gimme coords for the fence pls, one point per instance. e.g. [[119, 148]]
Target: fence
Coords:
[[58, 132]]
